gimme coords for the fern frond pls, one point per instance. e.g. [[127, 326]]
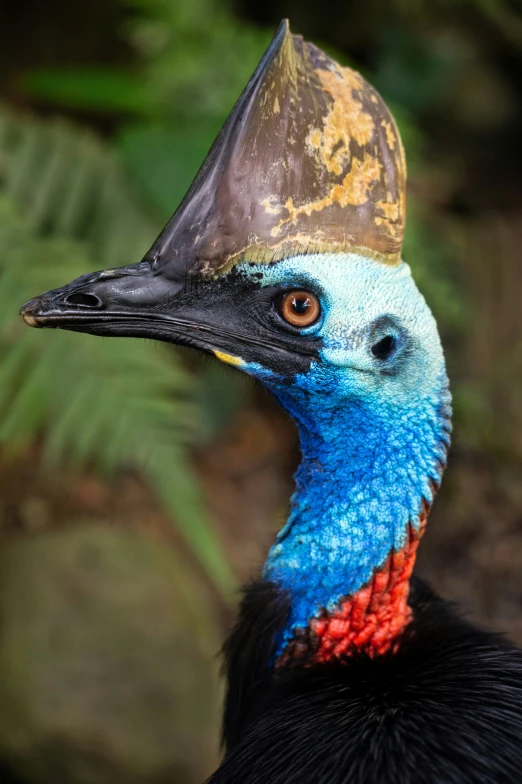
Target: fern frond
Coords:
[[65, 209]]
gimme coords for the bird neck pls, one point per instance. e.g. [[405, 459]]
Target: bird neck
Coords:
[[363, 492]]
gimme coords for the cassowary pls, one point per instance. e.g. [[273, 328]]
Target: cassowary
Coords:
[[284, 260]]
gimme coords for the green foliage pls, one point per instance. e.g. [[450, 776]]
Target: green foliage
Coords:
[[65, 208], [97, 89], [197, 56], [194, 60], [435, 270], [414, 72], [163, 160]]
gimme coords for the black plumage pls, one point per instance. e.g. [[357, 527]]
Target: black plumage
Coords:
[[445, 708]]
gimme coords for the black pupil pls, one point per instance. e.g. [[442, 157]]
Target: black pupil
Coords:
[[300, 305], [384, 347]]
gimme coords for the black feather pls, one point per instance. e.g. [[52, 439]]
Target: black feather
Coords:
[[446, 708], [248, 653]]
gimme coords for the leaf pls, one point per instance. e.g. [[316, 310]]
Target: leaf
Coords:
[[112, 404], [99, 90], [163, 161]]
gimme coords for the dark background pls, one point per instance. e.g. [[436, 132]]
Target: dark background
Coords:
[[138, 484]]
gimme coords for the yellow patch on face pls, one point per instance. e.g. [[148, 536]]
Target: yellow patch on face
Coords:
[[229, 359]]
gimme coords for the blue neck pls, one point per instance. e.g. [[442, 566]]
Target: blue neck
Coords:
[[363, 478]]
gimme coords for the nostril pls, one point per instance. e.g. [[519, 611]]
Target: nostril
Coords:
[[84, 299]]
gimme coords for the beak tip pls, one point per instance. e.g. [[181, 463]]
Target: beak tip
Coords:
[[29, 315], [30, 320]]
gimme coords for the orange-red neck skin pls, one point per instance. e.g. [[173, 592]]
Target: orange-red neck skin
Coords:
[[373, 620]]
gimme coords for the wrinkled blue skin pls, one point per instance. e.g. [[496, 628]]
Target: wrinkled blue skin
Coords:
[[373, 433]]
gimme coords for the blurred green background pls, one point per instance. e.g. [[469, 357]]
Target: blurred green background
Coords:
[[139, 485]]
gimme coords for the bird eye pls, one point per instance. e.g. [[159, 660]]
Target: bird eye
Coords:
[[299, 308], [383, 348]]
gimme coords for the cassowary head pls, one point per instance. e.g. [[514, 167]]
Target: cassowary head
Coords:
[[284, 258]]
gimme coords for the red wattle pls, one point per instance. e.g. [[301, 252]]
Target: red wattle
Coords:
[[372, 620]]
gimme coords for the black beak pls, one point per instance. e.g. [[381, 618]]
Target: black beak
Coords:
[[230, 316], [141, 301], [133, 301], [130, 301]]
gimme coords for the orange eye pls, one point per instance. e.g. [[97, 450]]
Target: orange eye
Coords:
[[300, 308]]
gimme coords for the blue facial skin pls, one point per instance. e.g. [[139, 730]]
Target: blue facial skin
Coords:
[[374, 432]]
